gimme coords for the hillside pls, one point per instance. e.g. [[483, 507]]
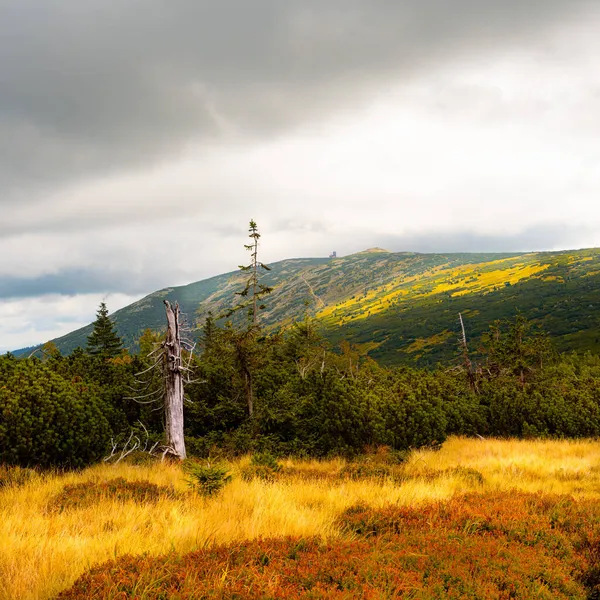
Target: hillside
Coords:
[[400, 307]]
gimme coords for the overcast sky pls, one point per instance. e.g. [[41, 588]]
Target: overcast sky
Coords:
[[139, 137]]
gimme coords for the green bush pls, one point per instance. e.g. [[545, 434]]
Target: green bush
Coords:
[[266, 459], [358, 471], [89, 493], [206, 479], [139, 458], [47, 420], [262, 472]]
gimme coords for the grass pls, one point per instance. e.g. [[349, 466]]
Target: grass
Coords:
[[44, 551]]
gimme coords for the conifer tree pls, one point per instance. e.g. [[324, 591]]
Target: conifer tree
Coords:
[[209, 332], [244, 341], [253, 289], [104, 341]]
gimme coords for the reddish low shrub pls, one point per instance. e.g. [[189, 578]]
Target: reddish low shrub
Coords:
[[85, 494], [494, 546]]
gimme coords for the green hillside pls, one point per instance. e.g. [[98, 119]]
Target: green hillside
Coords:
[[401, 307]]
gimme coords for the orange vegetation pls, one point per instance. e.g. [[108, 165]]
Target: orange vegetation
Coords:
[[478, 546]]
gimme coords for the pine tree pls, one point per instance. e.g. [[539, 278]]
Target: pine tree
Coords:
[[104, 341]]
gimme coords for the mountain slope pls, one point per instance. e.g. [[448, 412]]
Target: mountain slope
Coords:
[[400, 307]]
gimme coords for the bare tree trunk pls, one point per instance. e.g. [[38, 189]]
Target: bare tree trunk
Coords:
[[174, 385], [465, 353]]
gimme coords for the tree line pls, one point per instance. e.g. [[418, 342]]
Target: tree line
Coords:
[[288, 392]]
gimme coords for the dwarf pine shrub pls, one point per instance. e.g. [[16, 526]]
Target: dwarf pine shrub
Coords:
[[47, 420], [206, 479]]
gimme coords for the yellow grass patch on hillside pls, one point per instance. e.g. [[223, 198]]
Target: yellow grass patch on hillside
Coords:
[[578, 258], [456, 281], [43, 551], [422, 343], [379, 298], [490, 279], [364, 348]]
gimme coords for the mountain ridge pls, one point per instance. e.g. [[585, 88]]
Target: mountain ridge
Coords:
[[398, 307]]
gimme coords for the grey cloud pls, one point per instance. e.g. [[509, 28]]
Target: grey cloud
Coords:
[[115, 276], [66, 283], [96, 86], [299, 226], [71, 282]]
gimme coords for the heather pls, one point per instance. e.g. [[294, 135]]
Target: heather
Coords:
[[477, 546]]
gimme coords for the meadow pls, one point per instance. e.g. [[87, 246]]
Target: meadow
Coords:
[[475, 519]]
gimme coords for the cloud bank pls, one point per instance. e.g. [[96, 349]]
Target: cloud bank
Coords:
[[138, 139]]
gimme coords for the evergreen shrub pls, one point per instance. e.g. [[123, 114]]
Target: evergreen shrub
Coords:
[[47, 420], [206, 479]]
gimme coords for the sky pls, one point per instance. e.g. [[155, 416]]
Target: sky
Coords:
[[138, 138]]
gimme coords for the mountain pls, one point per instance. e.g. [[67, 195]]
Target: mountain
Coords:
[[399, 307]]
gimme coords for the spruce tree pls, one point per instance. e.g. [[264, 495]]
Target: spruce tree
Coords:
[[104, 341]]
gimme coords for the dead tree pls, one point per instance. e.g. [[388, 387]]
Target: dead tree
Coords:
[[173, 384], [468, 365], [168, 396]]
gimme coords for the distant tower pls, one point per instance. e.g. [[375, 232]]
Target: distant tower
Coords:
[[333, 254]]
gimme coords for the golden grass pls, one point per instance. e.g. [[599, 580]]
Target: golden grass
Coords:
[[42, 552], [561, 467], [491, 279]]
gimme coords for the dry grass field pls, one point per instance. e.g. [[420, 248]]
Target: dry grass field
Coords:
[[50, 537]]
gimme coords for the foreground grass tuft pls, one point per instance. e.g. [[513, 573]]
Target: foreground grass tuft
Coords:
[[15, 476]]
